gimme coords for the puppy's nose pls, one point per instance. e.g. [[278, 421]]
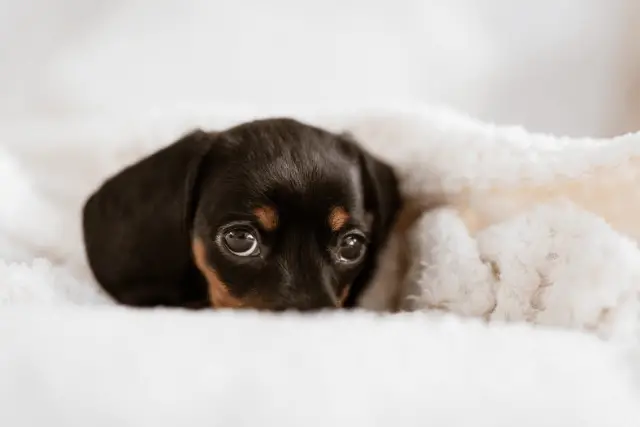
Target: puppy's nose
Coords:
[[314, 300], [306, 287]]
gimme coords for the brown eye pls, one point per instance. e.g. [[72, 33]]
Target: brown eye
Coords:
[[241, 242], [351, 248]]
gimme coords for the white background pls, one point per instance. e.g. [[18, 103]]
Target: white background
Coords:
[[561, 66]]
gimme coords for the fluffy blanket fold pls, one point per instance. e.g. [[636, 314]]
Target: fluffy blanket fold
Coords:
[[526, 228]]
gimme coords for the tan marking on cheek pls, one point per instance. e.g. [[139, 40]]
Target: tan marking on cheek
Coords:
[[338, 217], [219, 294], [343, 296], [267, 216]]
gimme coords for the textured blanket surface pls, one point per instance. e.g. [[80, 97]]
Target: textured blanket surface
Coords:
[[537, 231], [106, 367]]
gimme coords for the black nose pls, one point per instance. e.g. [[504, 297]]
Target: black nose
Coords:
[[320, 300], [305, 285], [301, 309], [303, 303]]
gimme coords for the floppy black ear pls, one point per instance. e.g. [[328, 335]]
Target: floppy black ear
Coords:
[[382, 201], [137, 226]]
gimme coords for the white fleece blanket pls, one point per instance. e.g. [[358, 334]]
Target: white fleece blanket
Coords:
[[535, 229]]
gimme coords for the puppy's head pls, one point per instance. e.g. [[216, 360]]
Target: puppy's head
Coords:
[[289, 216], [272, 214]]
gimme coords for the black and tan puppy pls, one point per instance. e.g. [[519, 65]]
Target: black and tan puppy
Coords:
[[272, 214]]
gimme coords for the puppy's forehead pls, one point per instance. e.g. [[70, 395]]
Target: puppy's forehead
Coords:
[[280, 132], [303, 170], [284, 156]]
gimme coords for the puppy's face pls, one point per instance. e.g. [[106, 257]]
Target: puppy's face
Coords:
[[288, 216]]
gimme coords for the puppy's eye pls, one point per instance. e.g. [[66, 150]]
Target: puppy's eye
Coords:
[[351, 248], [241, 242]]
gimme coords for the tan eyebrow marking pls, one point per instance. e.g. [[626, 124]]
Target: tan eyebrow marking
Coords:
[[338, 217], [267, 216]]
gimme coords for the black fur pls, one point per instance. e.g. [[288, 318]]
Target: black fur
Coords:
[[139, 225]]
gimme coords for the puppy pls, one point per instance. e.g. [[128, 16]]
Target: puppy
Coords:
[[272, 215]]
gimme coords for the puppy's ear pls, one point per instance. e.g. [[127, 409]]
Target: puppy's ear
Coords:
[[137, 225], [382, 202]]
